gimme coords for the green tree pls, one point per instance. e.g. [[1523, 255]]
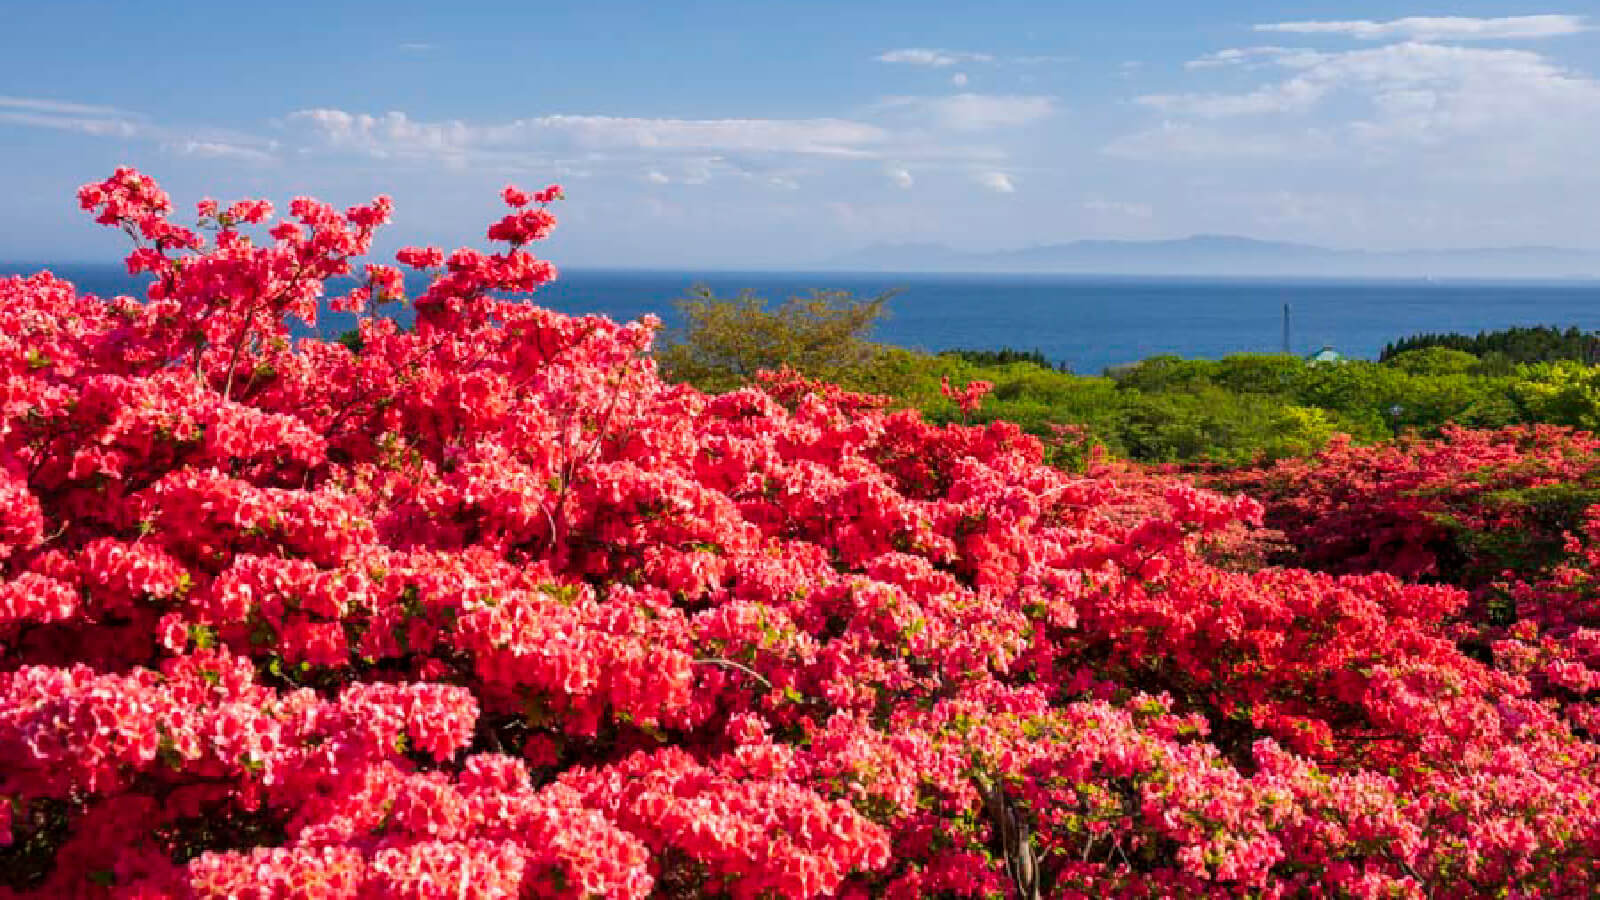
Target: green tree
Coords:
[[1435, 361], [1259, 373], [725, 341], [1560, 393]]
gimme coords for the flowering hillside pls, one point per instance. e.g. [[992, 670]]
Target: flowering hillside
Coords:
[[487, 609]]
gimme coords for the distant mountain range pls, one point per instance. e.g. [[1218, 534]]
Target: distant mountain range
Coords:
[[1226, 255]]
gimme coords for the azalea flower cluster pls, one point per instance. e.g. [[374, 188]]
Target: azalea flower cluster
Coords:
[[969, 398], [484, 608]]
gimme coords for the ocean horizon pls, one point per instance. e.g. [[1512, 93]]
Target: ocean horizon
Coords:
[[1089, 322]]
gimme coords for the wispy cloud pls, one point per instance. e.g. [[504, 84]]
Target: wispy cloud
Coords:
[[771, 153], [218, 149], [883, 149], [111, 122], [1119, 208], [58, 107], [416, 46], [59, 115], [976, 112], [1440, 28], [1187, 142], [1255, 57], [1286, 96], [394, 134], [922, 56], [1441, 74], [81, 124], [1500, 113], [999, 182], [942, 59]]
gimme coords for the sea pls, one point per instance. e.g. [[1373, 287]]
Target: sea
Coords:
[[1089, 323]]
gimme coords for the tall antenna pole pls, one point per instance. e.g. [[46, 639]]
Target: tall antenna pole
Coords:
[[1286, 329]]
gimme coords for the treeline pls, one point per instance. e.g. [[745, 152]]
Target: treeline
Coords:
[[1231, 411], [1541, 343], [1005, 356]]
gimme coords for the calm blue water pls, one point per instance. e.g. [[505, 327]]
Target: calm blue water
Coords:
[[1088, 322]]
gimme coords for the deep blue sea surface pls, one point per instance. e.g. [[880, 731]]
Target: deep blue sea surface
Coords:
[[1088, 322]]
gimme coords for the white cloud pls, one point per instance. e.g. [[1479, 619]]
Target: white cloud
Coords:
[[1453, 74], [416, 46], [1230, 57], [1119, 208], [58, 107], [977, 112], [110, 122], [941, 59], [776, 152], [1502, 113], [81, 124], [999, 182], [83, 118], [900, 177], [395, 134], [1190, 143], [217, 149], [697, 171], [1288, 96], [921, 56], [1441, 28], [781, 153], [826, 137], [1256, 57], [959, 79]]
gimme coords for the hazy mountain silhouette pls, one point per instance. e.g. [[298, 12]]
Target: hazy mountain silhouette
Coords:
[[1223, 255]]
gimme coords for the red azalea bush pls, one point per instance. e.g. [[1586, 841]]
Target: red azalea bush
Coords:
[[1555, 637], [1509, 514], [1461, 508], [484, 608]]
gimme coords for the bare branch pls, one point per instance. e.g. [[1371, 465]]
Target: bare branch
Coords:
[[730, 664]]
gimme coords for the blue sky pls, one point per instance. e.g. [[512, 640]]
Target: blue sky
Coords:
[[773, 132]]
